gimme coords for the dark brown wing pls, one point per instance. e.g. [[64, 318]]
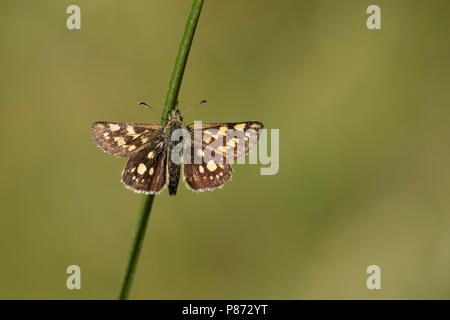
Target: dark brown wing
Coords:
[[146, 170], [206, 176], [230, 140], [124, 139], [208, 168]]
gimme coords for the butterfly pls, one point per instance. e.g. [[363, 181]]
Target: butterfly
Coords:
[[155, 155]]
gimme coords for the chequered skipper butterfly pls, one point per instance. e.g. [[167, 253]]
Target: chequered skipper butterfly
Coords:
[[149, 146]]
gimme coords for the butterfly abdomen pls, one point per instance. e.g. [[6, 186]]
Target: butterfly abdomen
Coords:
[[174, 177]]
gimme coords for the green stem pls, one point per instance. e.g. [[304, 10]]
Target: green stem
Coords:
[[136, 245], [181, 60], [171, 101]]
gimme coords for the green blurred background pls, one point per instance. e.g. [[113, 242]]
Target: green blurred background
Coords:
[[364, 149]]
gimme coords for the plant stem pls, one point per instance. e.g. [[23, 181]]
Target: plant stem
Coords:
[[181, 60], [136, 245], [171, 101]]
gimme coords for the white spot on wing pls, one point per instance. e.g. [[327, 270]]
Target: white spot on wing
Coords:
[[200, 153]]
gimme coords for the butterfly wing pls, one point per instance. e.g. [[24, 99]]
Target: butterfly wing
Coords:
[[230, 140], [227, 141], [146, 170], [124, 139], [206, 176]]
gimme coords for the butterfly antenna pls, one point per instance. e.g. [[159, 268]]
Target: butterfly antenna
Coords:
[[146, 105], [203, 101]]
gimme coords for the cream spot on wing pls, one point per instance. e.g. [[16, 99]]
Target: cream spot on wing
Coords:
[[211, 165], [130, 130], [207, 138], [133, 178], [221, 166], [114, 127], [240, 126], [236, 140], [132, 169], [210, 177], [204, 177], [200, 153], [120, 141], [151, 171], [106, 135], [255, 126], [131, 148], [221, 173], [144, 140], [223, 131], [150, 155], [200, 168], [141, 169], [217, 176], [100, 126]]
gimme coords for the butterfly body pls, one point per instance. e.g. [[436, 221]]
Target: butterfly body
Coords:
[[152, 155], [173, 168]]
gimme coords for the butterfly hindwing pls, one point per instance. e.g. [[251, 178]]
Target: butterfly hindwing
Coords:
[[146, 170], [124, 139], [206, 176]]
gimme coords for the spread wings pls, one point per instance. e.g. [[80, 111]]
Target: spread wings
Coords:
[[213, 147]]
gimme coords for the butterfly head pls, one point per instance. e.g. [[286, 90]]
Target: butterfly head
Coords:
[[175, 116]]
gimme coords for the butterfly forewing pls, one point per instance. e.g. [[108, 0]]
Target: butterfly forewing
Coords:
[[124, 139], [230, 140]]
